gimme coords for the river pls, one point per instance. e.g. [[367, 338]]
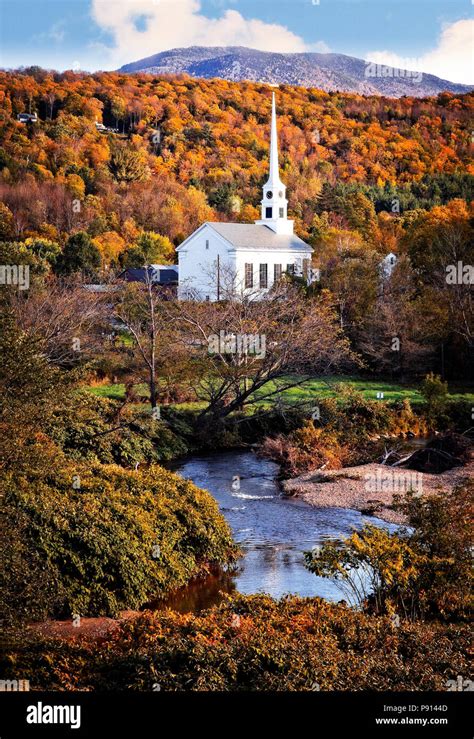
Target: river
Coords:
[[273, 531]]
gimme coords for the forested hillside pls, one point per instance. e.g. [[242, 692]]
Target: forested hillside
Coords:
[[119, 169], [199, 149]]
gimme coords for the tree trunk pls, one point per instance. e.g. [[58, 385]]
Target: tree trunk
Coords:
[[152, 385]]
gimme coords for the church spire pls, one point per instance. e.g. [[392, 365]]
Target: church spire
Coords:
[[274, 174], [274, 202]]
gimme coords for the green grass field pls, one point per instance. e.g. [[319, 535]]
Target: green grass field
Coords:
[[315, 388], [116, 392]]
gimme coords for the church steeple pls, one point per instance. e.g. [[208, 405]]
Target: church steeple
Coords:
[[274, 175], [274, 202]]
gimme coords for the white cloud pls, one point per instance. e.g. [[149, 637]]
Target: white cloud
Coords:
[[452, 59], [144, 27], [320, 46], [56, 33]]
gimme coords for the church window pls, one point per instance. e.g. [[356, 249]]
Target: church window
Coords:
[[248, 275], [207, 243], [268, 212], [276, 272], [264, 275], [282, 212], [290, 269]]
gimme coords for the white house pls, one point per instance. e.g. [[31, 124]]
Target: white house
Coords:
[[221, 260], [387, 265]]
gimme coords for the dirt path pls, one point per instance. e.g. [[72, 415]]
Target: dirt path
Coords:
[[93, 628], [370, 488]]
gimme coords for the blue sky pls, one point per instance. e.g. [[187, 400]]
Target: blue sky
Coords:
[[435, 35]]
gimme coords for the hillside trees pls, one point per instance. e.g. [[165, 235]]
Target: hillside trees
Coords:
[[128, 165], [80, 255], [365, 177]]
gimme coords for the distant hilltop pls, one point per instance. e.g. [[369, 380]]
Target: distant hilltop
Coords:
[[327, 72]]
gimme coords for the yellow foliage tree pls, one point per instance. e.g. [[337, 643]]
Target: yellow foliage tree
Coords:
[[110, 245]]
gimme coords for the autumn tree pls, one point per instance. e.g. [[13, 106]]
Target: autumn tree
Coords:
[[128, 165], [149, 248], [139, 306], [396, 335], [439, 244], [111, 246], [250, 351], [79, 255]]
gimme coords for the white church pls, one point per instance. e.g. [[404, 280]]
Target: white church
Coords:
[[240, 260]]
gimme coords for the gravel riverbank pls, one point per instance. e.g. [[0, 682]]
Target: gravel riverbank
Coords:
[[370, 488]]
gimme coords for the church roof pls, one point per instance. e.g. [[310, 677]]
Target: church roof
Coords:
[[251, 236]]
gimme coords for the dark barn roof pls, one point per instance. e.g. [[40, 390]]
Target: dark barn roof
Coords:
[[157, 273]]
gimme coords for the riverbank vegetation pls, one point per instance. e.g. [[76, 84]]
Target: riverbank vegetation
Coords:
[[250, 643], [80, 533], [349, 429], [419, 573], [409, 629]]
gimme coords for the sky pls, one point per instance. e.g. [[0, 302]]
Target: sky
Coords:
[[432, 36]]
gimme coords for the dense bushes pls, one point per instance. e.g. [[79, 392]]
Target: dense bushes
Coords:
[[99, 429], [305, 449], [106, 538], [421, 573], [251, 643], [79, 533], [345, 431]]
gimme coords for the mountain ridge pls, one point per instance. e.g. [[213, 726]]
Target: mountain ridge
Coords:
[[326, 71]]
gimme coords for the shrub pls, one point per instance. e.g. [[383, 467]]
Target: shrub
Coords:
[[110, 538], [304, 449], [100, 429], [442, 534], [375, 569], [250, 643], [345, 433], [424, 572], [435, 393], [457, 416]]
